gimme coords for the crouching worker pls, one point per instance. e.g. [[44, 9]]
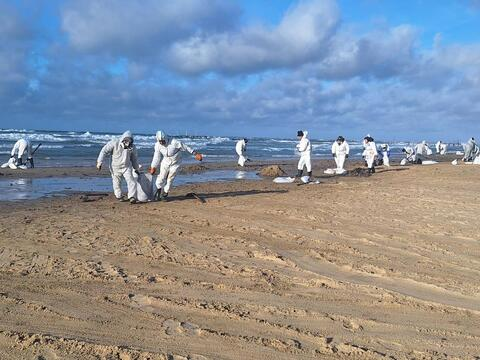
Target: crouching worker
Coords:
[[168, 156], [410, 156], [241, 148], [22, 147], [340, 152], [124, 161], [471, 150], [305, 149], [385, 154]]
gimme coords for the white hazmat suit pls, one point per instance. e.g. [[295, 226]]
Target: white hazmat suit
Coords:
[[441, 148], [22, 147], [386, 154], [241, 148], [370, 153], [305, 149], [421, 149], [340, 153], [471, 150], [124, 160], [410, 155], [169, 158]]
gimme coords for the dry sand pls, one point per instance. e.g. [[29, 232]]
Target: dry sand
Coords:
[[386, 266]]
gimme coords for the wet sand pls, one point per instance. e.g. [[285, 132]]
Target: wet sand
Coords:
[[289, 165], [44, 172], [375, 267]]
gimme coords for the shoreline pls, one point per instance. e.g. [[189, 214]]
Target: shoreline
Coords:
[[289, 165]]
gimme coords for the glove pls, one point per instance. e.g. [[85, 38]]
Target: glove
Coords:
[[198, 157], [334, 155], [137, 171], [99, 166], [346, 156], [12, 156], [152, 170]]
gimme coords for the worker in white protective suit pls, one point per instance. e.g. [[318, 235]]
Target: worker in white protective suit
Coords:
[[422, 150], [386, 154], [441, 148], [471, 150], [340, 152], [305, 149], [124, 161], [23, 147], [410, 156], [241, 148], [168, 157], [370, 153]]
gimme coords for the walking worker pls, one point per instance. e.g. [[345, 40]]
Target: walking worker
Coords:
[[123, 162], [168, 156], [305, 149]]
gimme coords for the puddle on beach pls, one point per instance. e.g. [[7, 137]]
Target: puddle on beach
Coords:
[[29, 189]]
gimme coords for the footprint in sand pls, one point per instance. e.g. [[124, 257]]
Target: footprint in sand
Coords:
[[173, 327], [352, 325]]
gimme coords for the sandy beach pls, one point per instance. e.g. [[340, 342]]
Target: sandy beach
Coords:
[[385, 266]]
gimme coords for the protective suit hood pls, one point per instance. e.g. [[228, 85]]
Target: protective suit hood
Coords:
[[126, 134], [160, 135]]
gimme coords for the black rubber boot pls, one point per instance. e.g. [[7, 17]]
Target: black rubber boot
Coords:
[[164, 197], [132, 200], [373, 169], [158, 195], [122, 199], [310, 174], [299, 173]]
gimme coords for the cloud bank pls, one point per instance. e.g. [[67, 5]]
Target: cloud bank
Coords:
[[199, 65]]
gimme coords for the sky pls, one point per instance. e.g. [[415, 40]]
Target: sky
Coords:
[[395, 69]]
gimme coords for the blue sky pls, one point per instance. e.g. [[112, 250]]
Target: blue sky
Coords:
[[396, 69]]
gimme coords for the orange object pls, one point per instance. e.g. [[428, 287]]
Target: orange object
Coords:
[[152, 170], [198, 157]]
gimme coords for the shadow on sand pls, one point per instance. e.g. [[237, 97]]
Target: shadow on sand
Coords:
[[207, 196], [396, 169]]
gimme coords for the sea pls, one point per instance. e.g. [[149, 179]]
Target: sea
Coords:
[[81, 148]]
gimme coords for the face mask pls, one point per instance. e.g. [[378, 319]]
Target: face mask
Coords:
[[127, 143]]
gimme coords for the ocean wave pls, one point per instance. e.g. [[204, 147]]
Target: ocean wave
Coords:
[[33, 137], [16, 131], [276, 149], [283, 141], [52, 146]]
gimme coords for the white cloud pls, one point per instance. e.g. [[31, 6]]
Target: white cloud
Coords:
[[140, 27], [302, 36], [14, 41], [381, 54]]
